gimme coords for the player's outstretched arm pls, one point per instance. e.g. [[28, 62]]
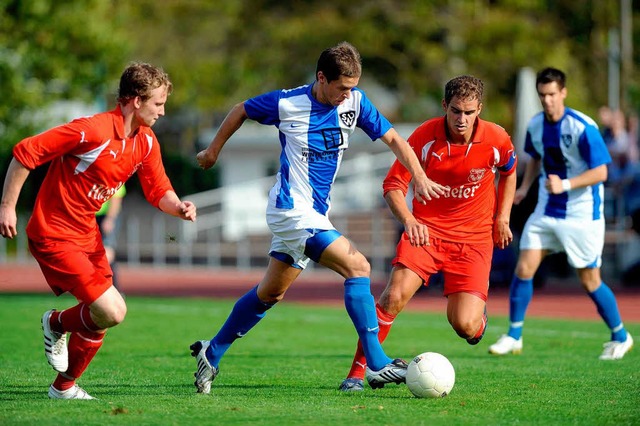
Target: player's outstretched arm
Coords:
[[16, 176], [232, 122], [424, 188], [171, 204]]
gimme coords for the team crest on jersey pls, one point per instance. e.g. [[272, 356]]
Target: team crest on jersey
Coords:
[[348, 118], [566, 140], [332, 138], [475, 175]]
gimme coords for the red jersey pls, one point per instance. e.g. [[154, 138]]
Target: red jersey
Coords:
[[91, 158], [466, 210]]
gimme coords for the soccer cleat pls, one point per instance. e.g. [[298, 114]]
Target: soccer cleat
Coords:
[[505, 345], [55, 345], [616, 350], [475, 340], [75, 392], [206, 372], [394, 372], [352, 384]]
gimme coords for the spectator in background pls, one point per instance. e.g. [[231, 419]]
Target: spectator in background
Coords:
[[621, 148], [620, 138], [108, 218]]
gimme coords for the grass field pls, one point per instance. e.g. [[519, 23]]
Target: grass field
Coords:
[[286, 371]]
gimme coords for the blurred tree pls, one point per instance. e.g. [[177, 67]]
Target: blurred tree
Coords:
[[52, 50], [223, 52], [220, 53]]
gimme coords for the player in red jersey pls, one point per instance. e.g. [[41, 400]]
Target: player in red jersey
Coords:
[[90, 159], [457, 232]]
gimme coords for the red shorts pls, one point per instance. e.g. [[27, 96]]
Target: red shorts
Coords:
[[465, 266], [82, 270]]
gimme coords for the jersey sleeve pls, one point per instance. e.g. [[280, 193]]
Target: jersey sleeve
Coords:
[[264, 108], [371, 120], [152, 176], [36, 150], [507, 157], [593, 148], [529, 148]]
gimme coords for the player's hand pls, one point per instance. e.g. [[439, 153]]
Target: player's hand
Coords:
[[8, 222], [188, 211], [426, 189], [553, 184], [417, 232], [519, 196], [206, 159], [502, 235]]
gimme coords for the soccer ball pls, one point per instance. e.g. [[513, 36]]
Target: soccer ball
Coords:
[[430, 375]]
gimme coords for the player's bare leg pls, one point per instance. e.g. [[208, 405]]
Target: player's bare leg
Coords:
[[466, 313], [621, 341], [246, 313], [520, 294], [87, 325], [342, 257], [403, 284]]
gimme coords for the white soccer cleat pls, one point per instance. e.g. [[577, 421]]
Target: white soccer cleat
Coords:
[[206, 372], [55, 345], [506, 345], [616, 350], [75, 392], [394, 372]]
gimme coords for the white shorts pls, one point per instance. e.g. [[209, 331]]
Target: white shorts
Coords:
[[582, 241], [291, 229]]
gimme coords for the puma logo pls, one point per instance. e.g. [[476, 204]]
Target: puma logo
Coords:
[[438, 156], [113, 153]]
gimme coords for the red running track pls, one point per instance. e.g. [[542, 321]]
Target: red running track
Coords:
[[317, 287]]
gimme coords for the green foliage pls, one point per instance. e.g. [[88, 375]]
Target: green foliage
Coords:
[[51, 50], [220, 53], [287, 369]]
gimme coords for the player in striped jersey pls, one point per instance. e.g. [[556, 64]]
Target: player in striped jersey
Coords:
[[569, 158], [314, 123]]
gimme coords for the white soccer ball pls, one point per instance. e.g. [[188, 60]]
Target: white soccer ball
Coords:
[[430, 375]]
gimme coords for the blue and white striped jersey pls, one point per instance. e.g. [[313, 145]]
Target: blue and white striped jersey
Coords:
[[313, 137], [568, 148]]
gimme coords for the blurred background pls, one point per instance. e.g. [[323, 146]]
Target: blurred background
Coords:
[[61, 59]]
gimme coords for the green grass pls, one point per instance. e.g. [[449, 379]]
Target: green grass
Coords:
[[287, 369]]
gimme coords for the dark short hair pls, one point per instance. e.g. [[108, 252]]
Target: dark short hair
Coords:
[[465, 87], [342, 59], [140, 79], [550, 75]]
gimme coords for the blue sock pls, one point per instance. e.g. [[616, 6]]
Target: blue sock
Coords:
[[520, 295], [246, 313], [362, 311], [608, 309]]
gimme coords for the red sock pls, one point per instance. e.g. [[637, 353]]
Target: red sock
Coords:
[[385, 321], [481, 330], [76, 318], [83, 346], [63, 382]]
